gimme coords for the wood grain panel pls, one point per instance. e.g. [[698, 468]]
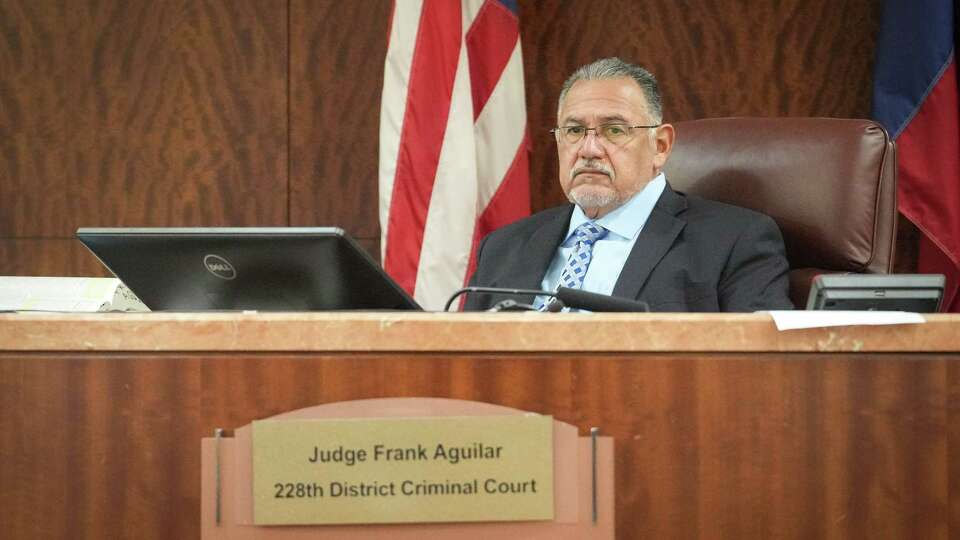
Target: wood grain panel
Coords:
[[713, 58], [105, 448], [271, 385], [182, 108], [953, 442], [39, 451], [721, 445], [144, 114], [337, 50], [35, 105], [48, 257]]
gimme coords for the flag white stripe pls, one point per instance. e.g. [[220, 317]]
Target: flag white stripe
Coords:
[[500, 128], [448, 232], [396, 78], [470, 10]]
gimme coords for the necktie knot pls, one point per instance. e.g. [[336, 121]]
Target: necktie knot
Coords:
[[588, 233]]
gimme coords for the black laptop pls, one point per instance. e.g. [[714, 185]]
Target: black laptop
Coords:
[[263, 269]]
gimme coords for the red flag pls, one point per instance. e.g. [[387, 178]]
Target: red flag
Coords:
[[453, 139]]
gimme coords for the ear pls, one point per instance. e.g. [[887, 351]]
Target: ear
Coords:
[[663, 139]]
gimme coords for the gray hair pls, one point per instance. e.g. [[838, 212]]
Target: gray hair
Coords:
[[615, 68]]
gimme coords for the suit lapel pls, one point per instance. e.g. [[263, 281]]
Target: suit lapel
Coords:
[[527, 271], [655, 239]]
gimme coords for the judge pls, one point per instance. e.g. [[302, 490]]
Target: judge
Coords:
[[626, 232]]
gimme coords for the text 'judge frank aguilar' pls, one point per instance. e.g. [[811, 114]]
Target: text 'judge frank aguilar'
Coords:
[[627, 232]]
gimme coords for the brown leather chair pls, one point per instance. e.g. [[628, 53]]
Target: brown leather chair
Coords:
[[829, 183]]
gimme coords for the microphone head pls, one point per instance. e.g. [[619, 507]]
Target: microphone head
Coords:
[[555, 305], [578, 299]]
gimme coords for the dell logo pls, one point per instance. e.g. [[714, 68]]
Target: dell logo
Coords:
[[219, 267]]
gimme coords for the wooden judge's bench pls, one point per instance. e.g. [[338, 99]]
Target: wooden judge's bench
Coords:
[[723, 426]]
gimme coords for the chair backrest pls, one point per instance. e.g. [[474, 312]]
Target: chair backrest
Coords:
[[829, 183]]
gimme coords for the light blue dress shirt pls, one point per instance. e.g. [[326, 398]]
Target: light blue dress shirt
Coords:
[[609, 253]]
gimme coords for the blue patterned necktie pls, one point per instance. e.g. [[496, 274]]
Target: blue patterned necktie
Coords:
[[579, 260]]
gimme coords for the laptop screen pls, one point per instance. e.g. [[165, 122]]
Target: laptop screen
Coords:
[[264, 269]]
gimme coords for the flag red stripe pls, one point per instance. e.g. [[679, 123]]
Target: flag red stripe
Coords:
[[510, 202], [432, 74], [490, 42], [928, 151]]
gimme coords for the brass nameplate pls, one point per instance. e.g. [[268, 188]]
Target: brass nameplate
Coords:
[[403, 470]]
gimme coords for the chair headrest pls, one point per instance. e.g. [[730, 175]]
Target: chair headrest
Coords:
[[829, 183]]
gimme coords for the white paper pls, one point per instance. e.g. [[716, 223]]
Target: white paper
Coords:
[[69, 294], [793, 320]]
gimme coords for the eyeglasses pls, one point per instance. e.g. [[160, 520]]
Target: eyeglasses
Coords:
[[613, 133]]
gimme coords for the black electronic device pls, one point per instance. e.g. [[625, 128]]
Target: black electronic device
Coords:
[[263, 269], [563, 297], [919, 293]]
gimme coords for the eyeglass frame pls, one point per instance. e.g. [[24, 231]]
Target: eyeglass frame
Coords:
[[559, 129]]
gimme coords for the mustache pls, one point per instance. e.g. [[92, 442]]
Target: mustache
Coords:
[[593, 168]]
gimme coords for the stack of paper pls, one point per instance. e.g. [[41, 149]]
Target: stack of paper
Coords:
[[19, 293]]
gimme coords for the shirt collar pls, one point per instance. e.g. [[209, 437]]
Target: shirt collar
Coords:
[[627, 219]]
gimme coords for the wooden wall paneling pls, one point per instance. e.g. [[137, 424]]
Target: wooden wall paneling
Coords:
[[337, 51], [11, 442], [180, 113], [262, 387], [712, 58], [104, 447], [107, 445], [707, 445], [35, 102], [822, 447], [48, 257], [652, 413], [953, 441], [34, 504], [141, 114]]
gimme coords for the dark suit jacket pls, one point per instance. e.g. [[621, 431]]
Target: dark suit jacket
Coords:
[[692, 255]]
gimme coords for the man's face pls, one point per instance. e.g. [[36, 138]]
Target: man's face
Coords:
[[594, 173]]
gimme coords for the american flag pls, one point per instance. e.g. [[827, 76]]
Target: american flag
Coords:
[[454, 142]]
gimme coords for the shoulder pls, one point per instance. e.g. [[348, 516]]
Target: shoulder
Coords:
[[717, 227], [707, 212], [526, 227]]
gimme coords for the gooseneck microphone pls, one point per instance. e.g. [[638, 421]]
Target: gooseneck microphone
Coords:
[[563, 297], [515, 306]]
